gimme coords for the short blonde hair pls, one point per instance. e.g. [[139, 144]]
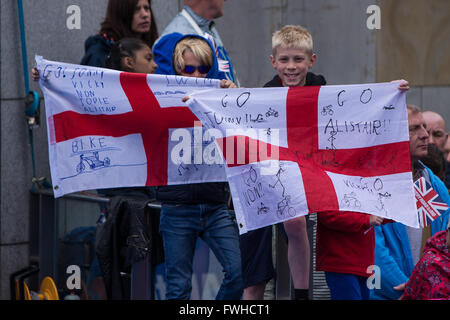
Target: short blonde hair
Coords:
[[200, 48], [291, 36]]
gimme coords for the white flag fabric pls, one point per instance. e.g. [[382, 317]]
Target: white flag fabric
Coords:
[[294, 151], [111, 129]]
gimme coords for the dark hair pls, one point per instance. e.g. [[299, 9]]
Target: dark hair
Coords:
[[126, 47], [119, 16], [435, 161]]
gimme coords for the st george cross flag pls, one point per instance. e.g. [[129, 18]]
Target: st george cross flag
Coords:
[[294, 151], [430, 205], [111, 129]]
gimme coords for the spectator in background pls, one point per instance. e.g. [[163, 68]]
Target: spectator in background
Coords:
[[438, 135], [192, 211], [124, 18], [398, 247], [197, 17], [430, 278], [436, 129], [447, 160], [435, 161], [447, 150]]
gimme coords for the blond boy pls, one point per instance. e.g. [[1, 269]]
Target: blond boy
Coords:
[[292, 57]]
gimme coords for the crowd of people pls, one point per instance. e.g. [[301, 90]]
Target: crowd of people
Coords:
[[414, 263]]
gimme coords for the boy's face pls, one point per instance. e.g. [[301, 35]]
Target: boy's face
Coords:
[[292, 64], [194, 63]]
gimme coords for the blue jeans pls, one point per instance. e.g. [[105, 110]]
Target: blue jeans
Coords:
[[180, 227], [344, 286]]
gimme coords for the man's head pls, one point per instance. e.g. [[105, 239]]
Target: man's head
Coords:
[[208, 9], [436, 129], [418, 135], [292, 54]]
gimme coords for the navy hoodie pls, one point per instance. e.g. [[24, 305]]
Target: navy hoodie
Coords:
[[96, 50]]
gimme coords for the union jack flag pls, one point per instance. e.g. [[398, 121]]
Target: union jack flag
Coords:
[[429, 204]]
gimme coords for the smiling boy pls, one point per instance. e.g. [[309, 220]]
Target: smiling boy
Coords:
[[292, 57]]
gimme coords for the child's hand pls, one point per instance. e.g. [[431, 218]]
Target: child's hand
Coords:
[[375, 220], [227, 84], [400, 287], [403, 86], [185, 99], [35, 74]]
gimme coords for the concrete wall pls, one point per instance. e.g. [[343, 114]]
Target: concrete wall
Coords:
[[347, 53]]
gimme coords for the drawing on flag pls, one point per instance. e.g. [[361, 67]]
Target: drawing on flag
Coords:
[[430, 205], [111, 129], [288, 151], [293, 151]]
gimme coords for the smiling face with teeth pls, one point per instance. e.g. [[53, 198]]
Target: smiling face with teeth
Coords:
[[292, 64]]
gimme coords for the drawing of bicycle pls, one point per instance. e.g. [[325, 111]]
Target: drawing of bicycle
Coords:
[[327, 110], [271, 112], [350, 201], [90, 159], [284, 209]]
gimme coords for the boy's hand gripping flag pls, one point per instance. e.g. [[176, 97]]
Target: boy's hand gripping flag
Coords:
[[430, 206], [293, 151], [111, 129]]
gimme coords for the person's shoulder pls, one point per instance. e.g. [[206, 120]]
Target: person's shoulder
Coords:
[[275, 82], [178, 24], [315, 79], [96, 49], [97, 42], [95, 39]]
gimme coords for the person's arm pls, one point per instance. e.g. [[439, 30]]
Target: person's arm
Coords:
[[35, 74], [391, 274], [345, 221]]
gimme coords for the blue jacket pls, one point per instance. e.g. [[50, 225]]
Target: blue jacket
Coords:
[[213, 192], [181, 25], [393, 252], [163, 52]]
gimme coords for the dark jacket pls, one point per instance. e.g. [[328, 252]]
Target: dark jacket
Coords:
[[187, 193], [129, 234], [96, 50], [311, 80]]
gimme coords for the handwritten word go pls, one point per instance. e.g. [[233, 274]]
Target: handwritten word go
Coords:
[[74, 20], [240, 100], [374, 20]]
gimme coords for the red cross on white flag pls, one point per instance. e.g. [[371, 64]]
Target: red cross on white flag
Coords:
[[115, 129], [312, 149]]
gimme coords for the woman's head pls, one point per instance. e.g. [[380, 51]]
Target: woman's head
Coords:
[[130, 18], [131, 55], [192, 57]]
